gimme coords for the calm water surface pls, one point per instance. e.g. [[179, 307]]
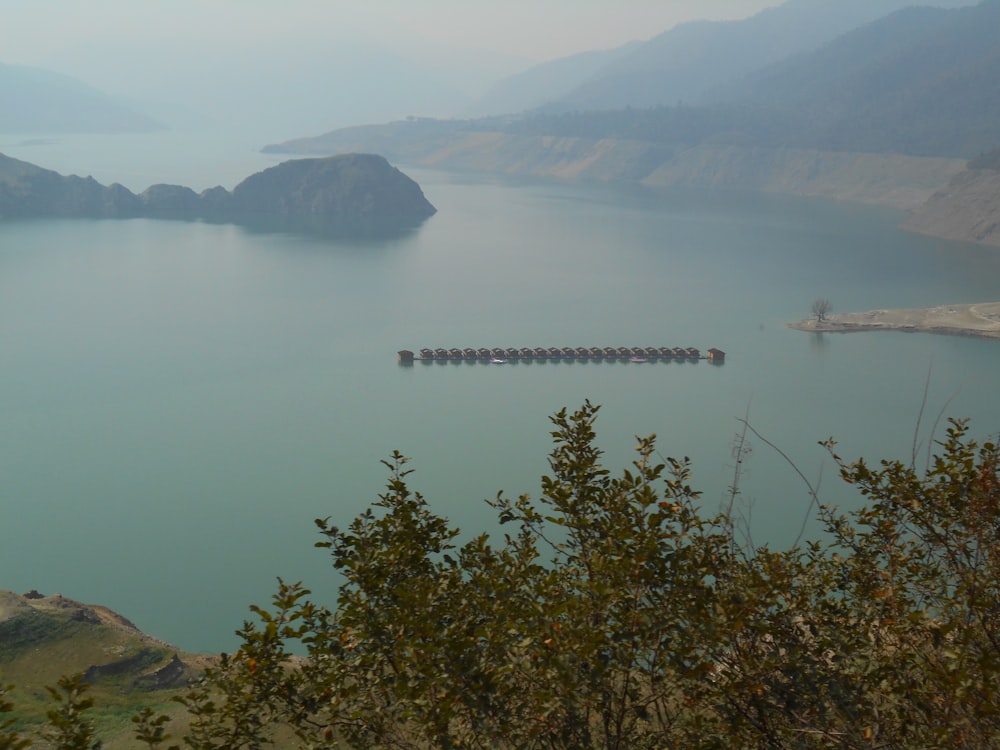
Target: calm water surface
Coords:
[[179, 400]]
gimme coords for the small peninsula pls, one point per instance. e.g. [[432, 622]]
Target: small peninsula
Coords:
[[981, 320], [361, 189]]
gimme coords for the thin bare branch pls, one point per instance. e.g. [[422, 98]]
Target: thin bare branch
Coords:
[[813, 491]]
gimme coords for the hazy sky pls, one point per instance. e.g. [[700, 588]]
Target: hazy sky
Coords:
[[38, 31], [293, 67]]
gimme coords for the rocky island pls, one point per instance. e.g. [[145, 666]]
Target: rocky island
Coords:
[[349, 190]]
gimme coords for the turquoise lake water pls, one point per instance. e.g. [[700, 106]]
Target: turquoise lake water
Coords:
[[179, 400]]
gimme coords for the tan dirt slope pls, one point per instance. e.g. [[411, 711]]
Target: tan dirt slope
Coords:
[[968, 210]]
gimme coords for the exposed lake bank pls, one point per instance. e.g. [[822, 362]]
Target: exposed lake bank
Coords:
[[944, 197], [890, 180], [967, 209]]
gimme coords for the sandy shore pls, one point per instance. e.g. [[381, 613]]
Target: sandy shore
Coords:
[[981, 319]]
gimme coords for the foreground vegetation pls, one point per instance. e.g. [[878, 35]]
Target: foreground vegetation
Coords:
[[616, 613]]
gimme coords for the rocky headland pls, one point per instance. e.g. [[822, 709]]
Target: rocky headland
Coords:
[[361, 189]]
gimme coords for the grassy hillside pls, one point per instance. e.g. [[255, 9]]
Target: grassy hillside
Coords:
[[45, 638]]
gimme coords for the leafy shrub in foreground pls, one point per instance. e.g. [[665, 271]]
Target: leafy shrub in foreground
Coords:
[[614, 613]]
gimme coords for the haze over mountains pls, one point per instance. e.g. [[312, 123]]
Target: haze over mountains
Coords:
[[277, 90], [267, 94], [33, 99], [921, 82], [687, 62], [264, 91]]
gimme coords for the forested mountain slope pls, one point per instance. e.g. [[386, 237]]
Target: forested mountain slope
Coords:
[[687, 62]]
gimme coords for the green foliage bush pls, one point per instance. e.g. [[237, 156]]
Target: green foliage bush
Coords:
[[616, 613]]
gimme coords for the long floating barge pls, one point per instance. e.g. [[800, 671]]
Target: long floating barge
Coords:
[[593, 353]]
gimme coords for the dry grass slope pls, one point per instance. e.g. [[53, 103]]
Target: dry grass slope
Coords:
[[43, 638]]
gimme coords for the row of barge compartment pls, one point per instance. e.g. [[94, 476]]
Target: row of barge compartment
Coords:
[[568, 352]]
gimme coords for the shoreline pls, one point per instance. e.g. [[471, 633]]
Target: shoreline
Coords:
[[980, 320]]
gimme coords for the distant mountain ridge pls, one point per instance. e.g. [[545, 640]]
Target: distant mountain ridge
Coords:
[[33, 100], [920, 82], [362, 188], [687, 63], [540, 84]]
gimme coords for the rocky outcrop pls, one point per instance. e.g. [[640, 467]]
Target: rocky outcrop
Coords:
[[144, 670], [357, 186], [175, 673], [170, 200], [349, 188], [27, 190], [968, 209]]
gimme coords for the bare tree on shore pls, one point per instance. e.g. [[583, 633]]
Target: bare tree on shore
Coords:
[[821, 308]]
